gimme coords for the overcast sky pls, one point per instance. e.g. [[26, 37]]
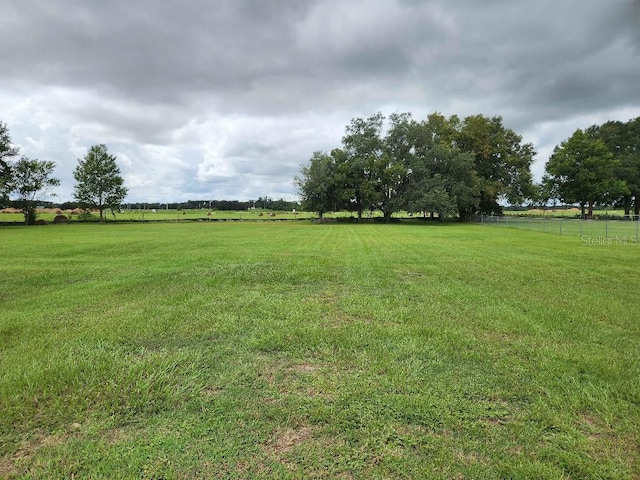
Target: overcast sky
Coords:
[[226, 99]]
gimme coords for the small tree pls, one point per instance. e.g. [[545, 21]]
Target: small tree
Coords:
[[100, 184], [30, 178]]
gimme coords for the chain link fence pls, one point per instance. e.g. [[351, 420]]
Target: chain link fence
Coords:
[[590, 232]]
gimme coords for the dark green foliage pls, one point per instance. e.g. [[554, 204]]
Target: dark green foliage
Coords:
[[502, 162], [29, 179], [364, 149], [440, 165], [583, 170], [317, 186], [100, 184], [623, 141]]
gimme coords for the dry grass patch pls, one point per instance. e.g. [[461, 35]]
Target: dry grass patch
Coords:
[[28, 449], [284, 441]]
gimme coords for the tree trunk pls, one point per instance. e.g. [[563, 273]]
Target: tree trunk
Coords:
[[590, 209], [627, 206], [582, 210]]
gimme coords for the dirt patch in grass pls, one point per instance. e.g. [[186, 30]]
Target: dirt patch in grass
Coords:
[[302, 368], [12, 466], [284, 441]]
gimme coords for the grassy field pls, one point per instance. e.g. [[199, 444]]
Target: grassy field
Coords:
[[563, 213], [295, 350], [181, 215]]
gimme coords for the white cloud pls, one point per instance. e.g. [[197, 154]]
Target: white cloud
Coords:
[[227, 101]]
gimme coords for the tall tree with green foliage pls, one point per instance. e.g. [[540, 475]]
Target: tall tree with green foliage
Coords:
[[442, 181], [441, 177], [99, 182], [582, 170], [502, 161], [7, 151], [364, 148], [317, 184], [623, 140], [393, 166], [29, 179]]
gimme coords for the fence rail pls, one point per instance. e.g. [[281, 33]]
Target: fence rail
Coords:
[[589, 231]]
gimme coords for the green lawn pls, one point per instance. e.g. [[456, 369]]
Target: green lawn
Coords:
[[297, 350]]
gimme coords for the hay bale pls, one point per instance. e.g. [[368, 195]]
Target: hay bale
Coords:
[[60, 219]]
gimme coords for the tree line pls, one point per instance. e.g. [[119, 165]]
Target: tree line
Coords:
[[451, 167], [99, 184], [456, 167]]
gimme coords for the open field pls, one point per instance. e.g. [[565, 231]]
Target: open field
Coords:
[[170, 215], [296, 350], [181, 215], [563, 212]]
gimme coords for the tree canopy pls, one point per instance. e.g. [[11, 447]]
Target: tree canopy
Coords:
[[440, 165], [583, 170], [317, 186], [623, 141], [29, 179], [99, 183]]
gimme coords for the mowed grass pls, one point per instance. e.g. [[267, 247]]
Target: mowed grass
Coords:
[[296, 350]]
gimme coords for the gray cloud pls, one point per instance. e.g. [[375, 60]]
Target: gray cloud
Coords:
[[228, 98]]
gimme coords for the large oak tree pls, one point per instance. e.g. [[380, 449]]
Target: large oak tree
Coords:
[[582, 170], [623, 141]]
